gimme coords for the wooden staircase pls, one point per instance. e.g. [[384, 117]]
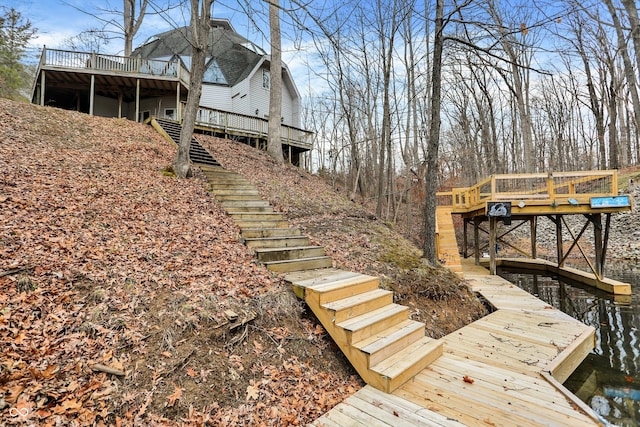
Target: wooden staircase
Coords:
[[381, 342], [171, 130], [446, 243], [279, 247]]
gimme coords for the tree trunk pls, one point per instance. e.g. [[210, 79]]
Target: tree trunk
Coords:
[[200, 26], [274, 143], [429, 250], [629, 73], [131, 24]]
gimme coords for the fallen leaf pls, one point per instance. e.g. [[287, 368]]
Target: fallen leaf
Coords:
[[191, 372], [252, 392], [177, 394]]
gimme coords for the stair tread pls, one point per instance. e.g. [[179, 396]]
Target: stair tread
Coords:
[[349, 302], [289, 261], [302, 277], [398, 363], [382, 339], [340, 283], [286, 248], [367, 319], [266, 239], [318, 277]]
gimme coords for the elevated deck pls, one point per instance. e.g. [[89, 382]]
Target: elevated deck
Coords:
[[523, 198]]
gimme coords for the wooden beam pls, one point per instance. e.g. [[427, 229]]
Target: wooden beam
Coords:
[[476, 239], [42, 87], [137, 100], [596, 220], [559, 249], [533, 223], [465, 225], [492, 245], [92, 94]]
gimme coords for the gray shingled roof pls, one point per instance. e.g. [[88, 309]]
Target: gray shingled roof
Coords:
[[235, 55]]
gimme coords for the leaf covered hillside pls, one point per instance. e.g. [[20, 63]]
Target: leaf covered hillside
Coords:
[[127, 299]]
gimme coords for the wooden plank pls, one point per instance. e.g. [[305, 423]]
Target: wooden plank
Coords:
[[531, 393], [364, 326], [405, 408], [479, 401], [568, 360]]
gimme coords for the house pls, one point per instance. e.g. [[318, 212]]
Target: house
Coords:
[[154, 82]]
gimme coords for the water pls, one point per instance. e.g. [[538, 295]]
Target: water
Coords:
[[609, 378]]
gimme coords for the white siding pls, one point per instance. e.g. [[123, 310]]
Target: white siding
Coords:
[[241, 99], [217, 97], [259, 95]]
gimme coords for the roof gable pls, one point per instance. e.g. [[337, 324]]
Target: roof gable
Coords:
[[235, 55]]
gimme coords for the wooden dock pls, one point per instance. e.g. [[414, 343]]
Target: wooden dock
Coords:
[[505, 369], [592, 196]]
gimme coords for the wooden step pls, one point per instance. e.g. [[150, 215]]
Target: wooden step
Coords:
[[390, 341], [243, 204], [405, 364], [356, 305], [340, 288], [282, 254], [238, 197], [255, 216], [319, 277], [257, 233], [299, 264], [368, 324], [262, 224], [234, 192], [216, 186], [277, 242], [249, 209]]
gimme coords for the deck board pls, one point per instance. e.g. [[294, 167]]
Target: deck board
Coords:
[[508, 354]]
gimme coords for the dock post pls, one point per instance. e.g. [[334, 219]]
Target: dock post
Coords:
[[558, 221], [465, 225], [492, 245], [476, 239], [534, 236], [596, 220]]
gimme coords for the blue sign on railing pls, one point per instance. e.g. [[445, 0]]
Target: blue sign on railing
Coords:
[[610, 202]]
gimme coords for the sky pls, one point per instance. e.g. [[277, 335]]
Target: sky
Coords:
[[59, 20]]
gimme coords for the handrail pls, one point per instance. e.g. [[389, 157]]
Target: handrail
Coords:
[[103, 62], [229, 122], [538, 186]]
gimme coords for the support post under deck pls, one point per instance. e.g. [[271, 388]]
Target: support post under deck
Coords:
[[476, 239], [534, 236], [560, 250], [492, 244], [596, 220], [465, 225]]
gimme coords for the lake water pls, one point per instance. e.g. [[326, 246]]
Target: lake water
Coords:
[[609, 378]]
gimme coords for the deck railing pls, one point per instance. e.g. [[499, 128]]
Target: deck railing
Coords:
[[536, 186], [231, 123], [87, 61]]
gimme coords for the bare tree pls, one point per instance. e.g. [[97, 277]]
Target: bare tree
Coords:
[[131, 22], [200, 25], [429, 249], [274, 142]]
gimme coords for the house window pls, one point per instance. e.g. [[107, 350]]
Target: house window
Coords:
[[170, 113], [213, 73], [266, 79]]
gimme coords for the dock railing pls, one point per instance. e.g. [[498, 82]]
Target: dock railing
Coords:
[[580, 185]]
